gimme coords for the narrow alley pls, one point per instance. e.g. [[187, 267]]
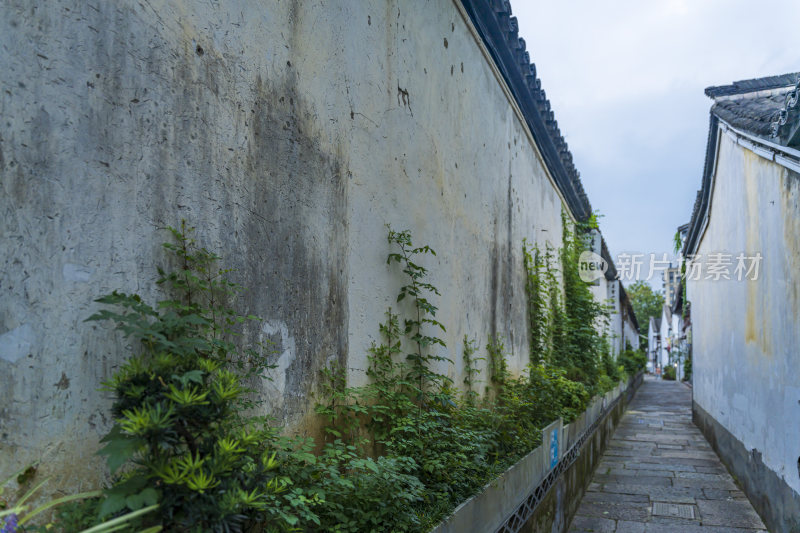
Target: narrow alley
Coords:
[[659, 474], [451, 266]]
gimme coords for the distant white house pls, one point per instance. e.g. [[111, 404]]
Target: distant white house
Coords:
[[665, 333], [653, 342], [622, 327], [630, 324]]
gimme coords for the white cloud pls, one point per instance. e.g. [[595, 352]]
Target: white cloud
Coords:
[[626, 80]]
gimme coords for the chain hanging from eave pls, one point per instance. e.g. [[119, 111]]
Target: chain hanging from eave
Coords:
[[791, 100]]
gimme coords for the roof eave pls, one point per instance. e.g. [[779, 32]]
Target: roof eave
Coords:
[[499, 31]]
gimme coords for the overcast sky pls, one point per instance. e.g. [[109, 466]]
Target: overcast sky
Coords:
[[626, 79]]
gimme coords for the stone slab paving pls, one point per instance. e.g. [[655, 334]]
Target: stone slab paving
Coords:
[[659, 475]]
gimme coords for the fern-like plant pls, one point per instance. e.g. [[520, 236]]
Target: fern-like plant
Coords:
[[178, 438]]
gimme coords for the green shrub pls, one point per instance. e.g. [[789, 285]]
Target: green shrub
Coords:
[[632, 361], [73, 513], [177, 427], [78, 515], [687, 367], [449, 458], [610, 367], [400, 452], [353, 493], [669, 373], [524, 405]]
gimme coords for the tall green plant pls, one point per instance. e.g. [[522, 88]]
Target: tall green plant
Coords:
[[178, 430], [536, 290], [495, 349], [584, 315], [365, 415], [423, 316], [544, 295], [565, 322], [471, 371]]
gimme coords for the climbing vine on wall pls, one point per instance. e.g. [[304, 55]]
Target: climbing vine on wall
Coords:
[[545, 317], [398, 453], [565, 321]]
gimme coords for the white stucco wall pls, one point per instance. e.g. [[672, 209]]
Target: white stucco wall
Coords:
[[290, 133], [746, 333], [615, 322], [666, 332], [618, 331], [652, 339], [630, 335]]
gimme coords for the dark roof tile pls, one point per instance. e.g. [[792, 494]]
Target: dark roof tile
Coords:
[[753, 114], [500, 33], [741, 106], [755, 84]]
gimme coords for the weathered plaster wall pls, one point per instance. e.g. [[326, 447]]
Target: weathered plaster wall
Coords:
[[607, 292], [631, 334], [289, 133], [118, 119], [747, 333], [666, 332], [615, 324], [652, 341]]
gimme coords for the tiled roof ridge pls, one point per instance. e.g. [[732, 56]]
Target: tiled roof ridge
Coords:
[[703, 195], [623, 294], [703, 198], [528, 70], [752, 85], [567, 177], [695, 209]]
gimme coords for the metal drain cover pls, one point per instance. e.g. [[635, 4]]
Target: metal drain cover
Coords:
[[673, 510]]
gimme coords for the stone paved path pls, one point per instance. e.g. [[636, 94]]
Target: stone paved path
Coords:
[[659, 474]]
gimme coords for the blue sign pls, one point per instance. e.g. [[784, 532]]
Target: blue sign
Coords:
[[553, 448]]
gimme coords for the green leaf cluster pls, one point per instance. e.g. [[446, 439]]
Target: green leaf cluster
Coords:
[[452, 443], [645, 301], [400, 452], [178, 439], [632, 360], [566, 323], [420, 327]]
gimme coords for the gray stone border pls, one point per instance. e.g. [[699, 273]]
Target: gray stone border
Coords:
[[773, 499], [509, 502]]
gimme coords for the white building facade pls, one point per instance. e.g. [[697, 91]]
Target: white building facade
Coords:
[[743, 282]]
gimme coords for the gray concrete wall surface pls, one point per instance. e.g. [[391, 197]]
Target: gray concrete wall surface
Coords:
[[289, 133], [746, 333], [777, 504], [630, 333]]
